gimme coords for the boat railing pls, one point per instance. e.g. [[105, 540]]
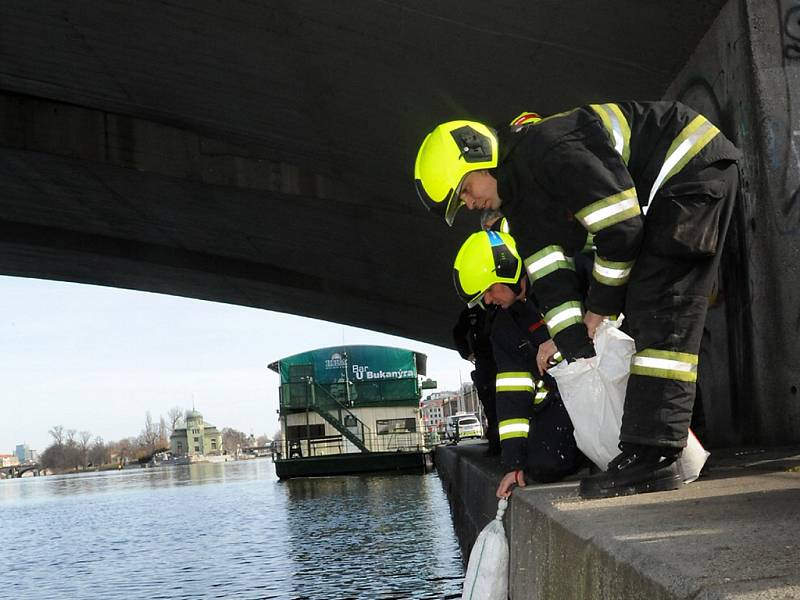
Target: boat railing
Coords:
[[331, 445]]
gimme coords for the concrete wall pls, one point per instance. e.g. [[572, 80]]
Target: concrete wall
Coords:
[[732, 535], [745, 76]]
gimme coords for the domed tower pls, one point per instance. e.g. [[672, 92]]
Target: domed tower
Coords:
[[194, 432]]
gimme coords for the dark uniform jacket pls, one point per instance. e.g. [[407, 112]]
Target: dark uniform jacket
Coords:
[[595, 169], [471, 334], [521, 392]]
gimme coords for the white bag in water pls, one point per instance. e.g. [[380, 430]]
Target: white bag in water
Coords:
[[593, 391], [487, 572]]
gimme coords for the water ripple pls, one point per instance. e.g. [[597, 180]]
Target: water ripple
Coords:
[[227, 531]]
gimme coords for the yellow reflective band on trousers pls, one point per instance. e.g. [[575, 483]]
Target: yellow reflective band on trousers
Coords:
[[610, 272], [609, 211], [514, 382], [665, 364], [563, 316], [513, 428], [694, 137], [547, 260], [617, 127]]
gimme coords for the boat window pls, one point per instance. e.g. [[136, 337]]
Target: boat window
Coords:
[[304, 432], [298, 373], [387, 426]]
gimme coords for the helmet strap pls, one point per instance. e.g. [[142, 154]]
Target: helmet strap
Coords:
[[520, 288]]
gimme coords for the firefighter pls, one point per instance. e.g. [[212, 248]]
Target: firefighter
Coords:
[[535, 431], [471, 336], [654, 184]]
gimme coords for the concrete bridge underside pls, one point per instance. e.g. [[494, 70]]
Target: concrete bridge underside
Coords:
[[261, 153]]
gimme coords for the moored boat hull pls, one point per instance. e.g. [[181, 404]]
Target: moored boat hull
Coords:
[[350, 464]]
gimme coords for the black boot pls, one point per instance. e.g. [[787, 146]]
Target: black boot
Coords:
[[636, 470]]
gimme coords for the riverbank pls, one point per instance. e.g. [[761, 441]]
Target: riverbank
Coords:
[[733, 534]]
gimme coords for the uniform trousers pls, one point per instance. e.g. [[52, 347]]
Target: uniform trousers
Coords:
[[667, 300]]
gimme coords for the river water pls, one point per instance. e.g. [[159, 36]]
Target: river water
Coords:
[[228, 530]]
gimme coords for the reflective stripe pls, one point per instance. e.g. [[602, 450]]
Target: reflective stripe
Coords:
[[513, 428], [557, 357], [589, 245], [694, 137], [609, 211], [610, 272], [514, 382], [665, 364], [617, 127], [547, 260], [541, 394], [563, 316]]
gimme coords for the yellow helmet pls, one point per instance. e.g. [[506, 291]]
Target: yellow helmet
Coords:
[[447, 154], [487, 257]]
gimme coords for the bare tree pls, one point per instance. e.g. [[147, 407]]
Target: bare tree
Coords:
[[148, 438], [98, 453], [57, 433], [72, 453], [233, 440], [174, 417], [163, 434], [83, 447], [125, 449]]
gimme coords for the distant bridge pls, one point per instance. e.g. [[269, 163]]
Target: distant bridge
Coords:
[[20, 470]]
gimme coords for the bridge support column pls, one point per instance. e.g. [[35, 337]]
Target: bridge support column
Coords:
[[745, 76]]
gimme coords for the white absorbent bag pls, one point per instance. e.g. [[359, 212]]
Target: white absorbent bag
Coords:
[[487, 571], [593, 391]]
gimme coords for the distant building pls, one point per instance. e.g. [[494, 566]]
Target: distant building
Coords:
[[8, 460], [447, 403], [450, 402], [433, 414], [196, 437], [25, 454], [470, 402]]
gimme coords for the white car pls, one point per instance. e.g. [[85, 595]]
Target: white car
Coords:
[[468, 426]]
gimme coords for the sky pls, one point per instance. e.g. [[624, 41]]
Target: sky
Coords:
[[98, 359]]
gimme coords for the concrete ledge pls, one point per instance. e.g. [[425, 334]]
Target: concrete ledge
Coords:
[[732, 534]]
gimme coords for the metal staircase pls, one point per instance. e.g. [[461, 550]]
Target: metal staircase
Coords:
[[333, 411]]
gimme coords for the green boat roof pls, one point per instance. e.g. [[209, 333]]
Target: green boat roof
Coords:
[[355, 363]]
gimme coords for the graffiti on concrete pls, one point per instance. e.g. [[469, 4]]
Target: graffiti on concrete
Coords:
[[788, 152], [791, 31], [793, 206]]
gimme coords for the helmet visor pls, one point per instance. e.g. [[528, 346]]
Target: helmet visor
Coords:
[[454, 203], [453, 206], [476, 301]]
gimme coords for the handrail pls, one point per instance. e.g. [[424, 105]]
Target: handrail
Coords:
[[340, 406], [325, 446], [336, 421]]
